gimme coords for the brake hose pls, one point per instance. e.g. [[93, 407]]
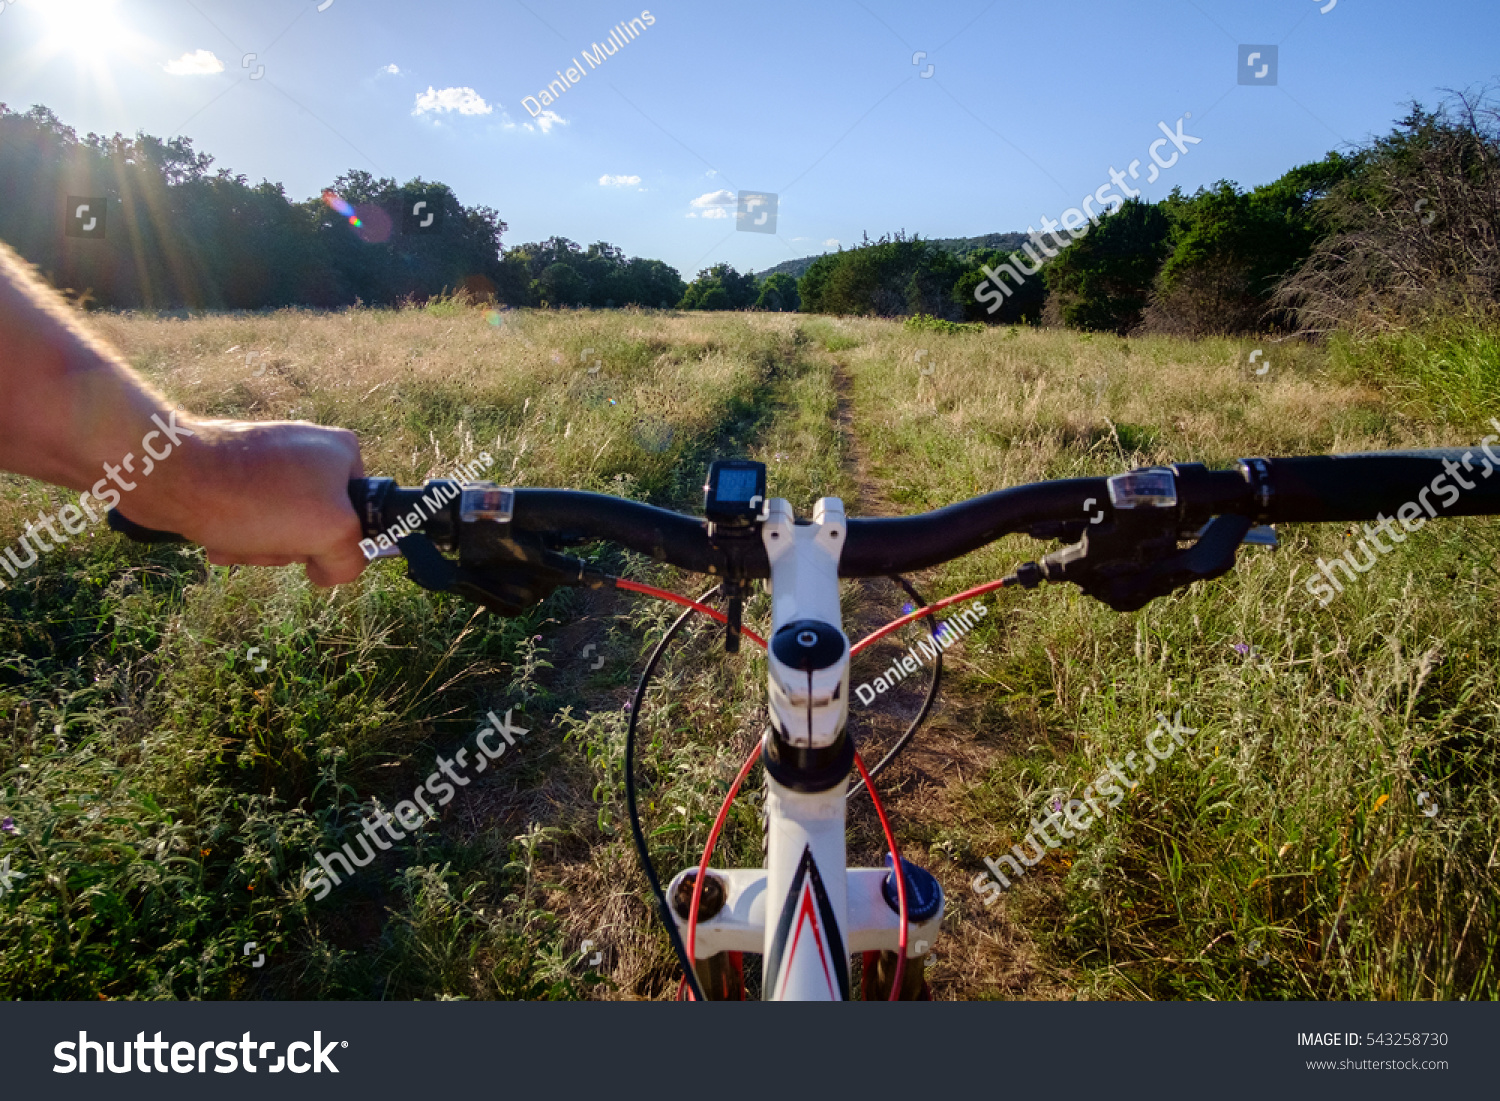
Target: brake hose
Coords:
[[689, 972]]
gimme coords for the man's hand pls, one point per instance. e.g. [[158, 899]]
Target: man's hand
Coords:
[[74, 414], [260, 494]]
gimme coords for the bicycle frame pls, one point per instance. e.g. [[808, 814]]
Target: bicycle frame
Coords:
[[806, 911]]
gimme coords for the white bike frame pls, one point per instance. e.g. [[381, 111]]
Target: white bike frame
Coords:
[[806, 912]]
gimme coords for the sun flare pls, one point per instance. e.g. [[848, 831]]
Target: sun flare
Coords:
[[87, 30]]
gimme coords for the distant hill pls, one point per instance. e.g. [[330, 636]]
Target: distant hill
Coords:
[[959, 246]]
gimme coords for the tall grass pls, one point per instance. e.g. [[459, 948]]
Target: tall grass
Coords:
[[166, 793], [1446, 372], [1292, 850]]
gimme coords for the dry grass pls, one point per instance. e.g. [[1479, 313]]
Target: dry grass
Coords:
[[138, 656], [1312, 751]]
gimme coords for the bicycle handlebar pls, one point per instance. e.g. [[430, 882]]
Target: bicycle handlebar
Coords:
[[1342, 488], [1308, 489], [1336, 488]]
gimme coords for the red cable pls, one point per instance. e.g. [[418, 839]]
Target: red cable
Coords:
[[968, 594], [885, 825], [890, 839], [713, 839], [708, 852], [663, 594]]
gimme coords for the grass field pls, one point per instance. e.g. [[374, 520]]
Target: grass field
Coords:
[[166, 793]]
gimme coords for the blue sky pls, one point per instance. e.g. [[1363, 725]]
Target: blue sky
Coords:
[[1025, 108]]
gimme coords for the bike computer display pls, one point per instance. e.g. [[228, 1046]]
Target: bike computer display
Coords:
[[735, 491]]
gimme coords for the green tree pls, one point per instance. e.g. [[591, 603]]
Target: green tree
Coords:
[[978, 295], [720, 288], [609, 278], [892, 276], [778, 293], [814, 282], [1230, 248], [180, 233], [1102, 282], [560, 285]]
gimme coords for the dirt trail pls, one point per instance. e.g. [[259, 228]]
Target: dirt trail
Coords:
[[982, 954]]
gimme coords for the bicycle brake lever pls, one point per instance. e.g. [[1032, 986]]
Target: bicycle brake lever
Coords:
[[507, 589], [1129, 584], [504, 592]]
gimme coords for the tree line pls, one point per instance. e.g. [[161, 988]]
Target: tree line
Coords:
[[1404, 227], [161, 228], [1399, 231]]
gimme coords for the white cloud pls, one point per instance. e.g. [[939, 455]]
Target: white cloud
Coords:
[[719, 198], [544, 122], [392, 68], [713, 205], [466, 101], [619, 181], [197, 63], [711, 173], [832, 242]]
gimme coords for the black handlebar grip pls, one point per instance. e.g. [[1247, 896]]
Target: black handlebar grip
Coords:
[[1341, 488], [132, 530], [359, 491]]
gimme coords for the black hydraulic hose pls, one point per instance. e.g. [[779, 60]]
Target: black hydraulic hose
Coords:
[[689, 972]]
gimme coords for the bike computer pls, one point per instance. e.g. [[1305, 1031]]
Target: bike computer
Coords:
[[735, 492]]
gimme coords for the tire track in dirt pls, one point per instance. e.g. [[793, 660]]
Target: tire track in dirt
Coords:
[[982, 953], [597, 891]]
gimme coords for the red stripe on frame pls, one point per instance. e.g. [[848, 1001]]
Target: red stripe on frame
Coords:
[[808, 912]]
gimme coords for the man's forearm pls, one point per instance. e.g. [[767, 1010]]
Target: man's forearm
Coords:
[[70, 404], [73, 413]]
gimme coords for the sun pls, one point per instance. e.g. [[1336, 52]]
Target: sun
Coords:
[[84, 28], [87, 30]]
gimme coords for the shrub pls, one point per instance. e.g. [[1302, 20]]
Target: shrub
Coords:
[[887, 278], [1415, 231], [720, 288], [920, 323], [1229, 248], [1102, 282], [1023, 303], [778, 293]]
